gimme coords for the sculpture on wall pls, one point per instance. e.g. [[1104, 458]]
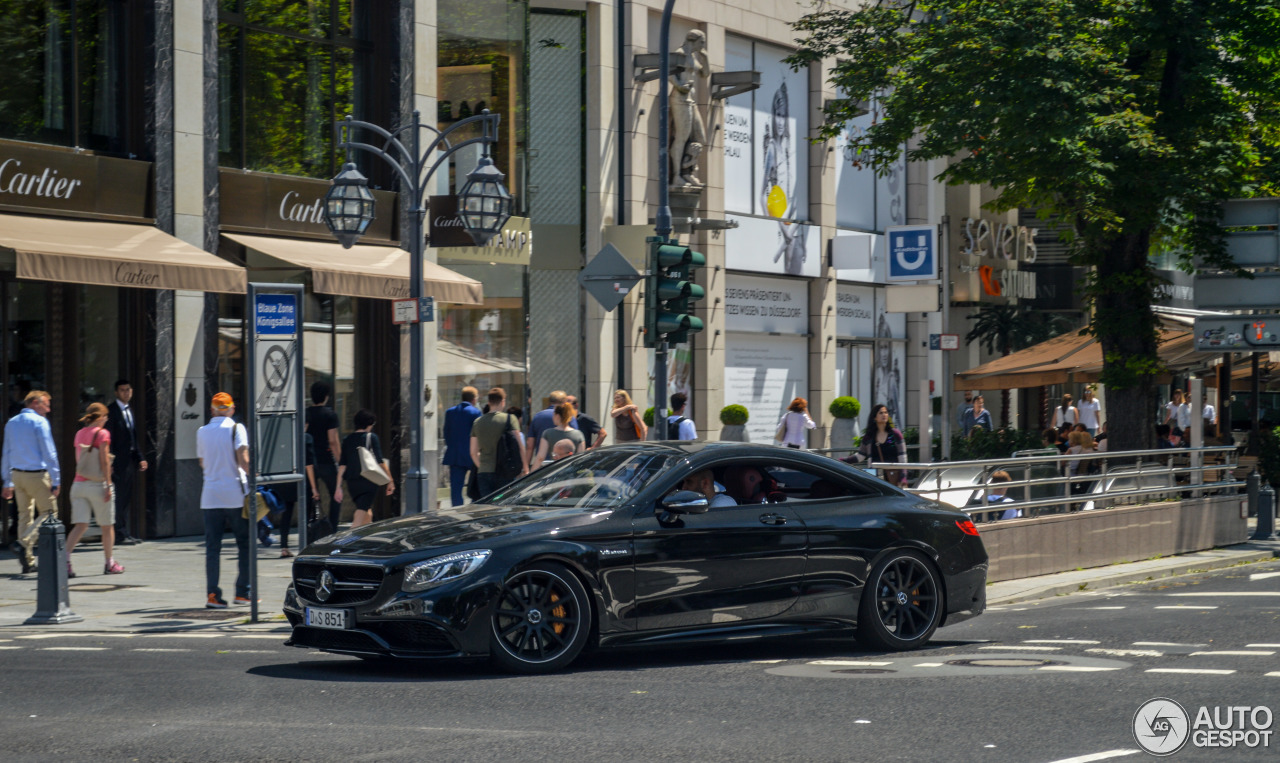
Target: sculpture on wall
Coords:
[[688, 132]]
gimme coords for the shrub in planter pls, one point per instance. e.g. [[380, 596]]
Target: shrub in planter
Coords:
[[845, 407], [733, 415], [648, 417]]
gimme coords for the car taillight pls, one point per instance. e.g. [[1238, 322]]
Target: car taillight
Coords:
[[966, 526]]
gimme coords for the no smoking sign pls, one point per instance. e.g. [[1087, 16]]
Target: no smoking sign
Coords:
[[274, 364]]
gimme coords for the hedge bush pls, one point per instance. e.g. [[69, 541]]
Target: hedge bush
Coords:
[[845, 407], [733, 415], [648, 417]]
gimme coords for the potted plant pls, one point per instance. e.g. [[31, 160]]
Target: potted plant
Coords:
[[734, 418], [844, 425]]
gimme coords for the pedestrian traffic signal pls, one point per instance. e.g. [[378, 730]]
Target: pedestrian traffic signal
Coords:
[[670, 291]]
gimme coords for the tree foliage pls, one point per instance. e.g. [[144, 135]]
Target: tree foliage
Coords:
[[1130, 119], [1009, 328]]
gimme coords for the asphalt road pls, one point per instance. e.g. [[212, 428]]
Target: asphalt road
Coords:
[[1057, 680]]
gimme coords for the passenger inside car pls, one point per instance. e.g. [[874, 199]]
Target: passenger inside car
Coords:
[[704, 482], [748, 484]]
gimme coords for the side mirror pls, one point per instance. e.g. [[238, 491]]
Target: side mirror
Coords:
[[686, 502]]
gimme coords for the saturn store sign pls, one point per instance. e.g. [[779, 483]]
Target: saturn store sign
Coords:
[[985, 266]]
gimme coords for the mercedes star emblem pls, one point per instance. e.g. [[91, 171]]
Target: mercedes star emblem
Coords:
[[324, 586]]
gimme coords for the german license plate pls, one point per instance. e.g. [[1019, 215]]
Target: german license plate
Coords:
[[327, 618]]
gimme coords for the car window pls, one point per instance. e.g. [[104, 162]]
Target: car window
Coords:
[[798, 483], [597, 479]]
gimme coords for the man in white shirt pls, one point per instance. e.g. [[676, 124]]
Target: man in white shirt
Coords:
[[1178, 411], [223, 448], [704, 482], [1210, 415], [678, 427]]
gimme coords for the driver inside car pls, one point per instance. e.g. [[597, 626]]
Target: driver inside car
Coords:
[[704, 482]]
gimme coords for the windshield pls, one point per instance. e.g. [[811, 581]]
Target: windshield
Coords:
[[597, 479]]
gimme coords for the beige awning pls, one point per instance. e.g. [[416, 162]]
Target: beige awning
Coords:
[[114, 254], [378, 272]]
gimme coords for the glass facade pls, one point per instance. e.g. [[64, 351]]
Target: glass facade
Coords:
[[286, 71], [70, 73], [483, 346]]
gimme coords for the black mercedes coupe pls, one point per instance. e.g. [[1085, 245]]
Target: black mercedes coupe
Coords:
[[645, 543]]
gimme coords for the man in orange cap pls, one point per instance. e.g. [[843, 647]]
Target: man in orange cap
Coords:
[[223, 448]]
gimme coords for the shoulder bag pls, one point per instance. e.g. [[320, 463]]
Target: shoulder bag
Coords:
[[88, 463], [370, 469], [781, 434]]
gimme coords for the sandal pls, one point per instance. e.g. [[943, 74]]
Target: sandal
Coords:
[[70, 572], [113, 568], [284, 553]]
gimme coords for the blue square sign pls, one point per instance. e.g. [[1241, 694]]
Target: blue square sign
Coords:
[[275, 315], [913, 252]]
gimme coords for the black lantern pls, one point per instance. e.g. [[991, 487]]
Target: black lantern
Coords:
[[348, 206], [484, 204]]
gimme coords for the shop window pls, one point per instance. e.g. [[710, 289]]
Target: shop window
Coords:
[[483, 346], [287, 72], [24, 340], [482, 65], [99, 343], [71, 72]]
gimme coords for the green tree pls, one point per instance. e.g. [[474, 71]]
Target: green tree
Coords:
[[1130, 119], [1009, 328]]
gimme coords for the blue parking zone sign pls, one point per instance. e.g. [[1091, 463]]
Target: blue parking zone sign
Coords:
[[913, 252]]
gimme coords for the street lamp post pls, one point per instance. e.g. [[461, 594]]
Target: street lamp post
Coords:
[[484, 205]]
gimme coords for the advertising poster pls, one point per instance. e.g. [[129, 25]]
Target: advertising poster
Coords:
[[773, 246], [863, 200], [764, 373], [739, 136], [766, 305], [890, 362]]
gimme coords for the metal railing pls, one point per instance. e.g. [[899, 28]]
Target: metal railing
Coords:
[[1042, 484]]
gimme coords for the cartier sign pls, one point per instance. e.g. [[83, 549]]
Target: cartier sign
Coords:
[[257, 202], [41, 179], [513, 245]]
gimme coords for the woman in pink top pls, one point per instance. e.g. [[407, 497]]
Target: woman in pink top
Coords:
[[91, 492]]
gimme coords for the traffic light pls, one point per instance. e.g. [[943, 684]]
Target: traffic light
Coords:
[[670, 291]]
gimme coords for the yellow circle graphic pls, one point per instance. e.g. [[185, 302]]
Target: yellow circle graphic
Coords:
[[776, 202]]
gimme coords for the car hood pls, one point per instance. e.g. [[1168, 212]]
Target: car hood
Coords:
[[450, 527]]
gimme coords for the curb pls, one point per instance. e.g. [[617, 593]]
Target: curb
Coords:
[[1118, 579]]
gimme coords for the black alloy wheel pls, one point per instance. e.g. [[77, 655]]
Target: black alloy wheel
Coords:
[[541, 621], [901, 603]]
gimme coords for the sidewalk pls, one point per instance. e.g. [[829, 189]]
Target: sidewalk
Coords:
[[163, 587]]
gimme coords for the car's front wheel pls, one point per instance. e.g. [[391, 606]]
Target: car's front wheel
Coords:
[[901, 603], [542, 620]]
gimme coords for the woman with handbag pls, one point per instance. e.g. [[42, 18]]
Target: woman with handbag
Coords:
[[364, 467], [883, 443], [794, 423], [91, 492], [627, 423]]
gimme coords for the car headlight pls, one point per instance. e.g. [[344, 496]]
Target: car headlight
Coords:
[[442, 569]]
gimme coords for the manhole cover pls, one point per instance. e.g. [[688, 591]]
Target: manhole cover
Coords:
[[1004, 662], [863, 671], [197, 614]]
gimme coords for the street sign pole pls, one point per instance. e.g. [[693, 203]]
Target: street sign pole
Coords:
[[944, 271]]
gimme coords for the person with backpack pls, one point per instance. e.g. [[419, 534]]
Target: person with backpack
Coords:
[[564, 413], [679, 427], [495, 445]]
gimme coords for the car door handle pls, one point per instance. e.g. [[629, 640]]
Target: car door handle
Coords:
[[772, 519]]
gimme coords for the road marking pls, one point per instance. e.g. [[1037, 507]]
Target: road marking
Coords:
[[1201, 672], [1226, 593], [766, 662], [12, 647], [76, 635], [184, 635], [1109, 754], [1263, 646], [1263, 576], [929, 664], [1189, 607], [1232, 654], [73, 649], [1015, 648], [1127, 652], [1164, 643], [245, 651], [276, 637], [1274, 674], [1074, 668], [161, 649], [1099, 607], [1060, 641], [850, 662]]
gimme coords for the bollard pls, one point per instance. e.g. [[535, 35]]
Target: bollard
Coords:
[[1266, 514], [1251, 485], [53, 604]]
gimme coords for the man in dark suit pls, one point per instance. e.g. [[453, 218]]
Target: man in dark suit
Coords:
[[457, 441], [125, 432]]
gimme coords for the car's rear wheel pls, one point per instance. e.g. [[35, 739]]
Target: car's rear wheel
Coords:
[[542, 620], [901, 603]]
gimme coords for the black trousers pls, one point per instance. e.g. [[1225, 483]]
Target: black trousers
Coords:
[[327, 475], [122, 481]]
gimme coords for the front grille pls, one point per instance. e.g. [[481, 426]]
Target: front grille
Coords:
[[412, 635], [322, 638], [353, 583]]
